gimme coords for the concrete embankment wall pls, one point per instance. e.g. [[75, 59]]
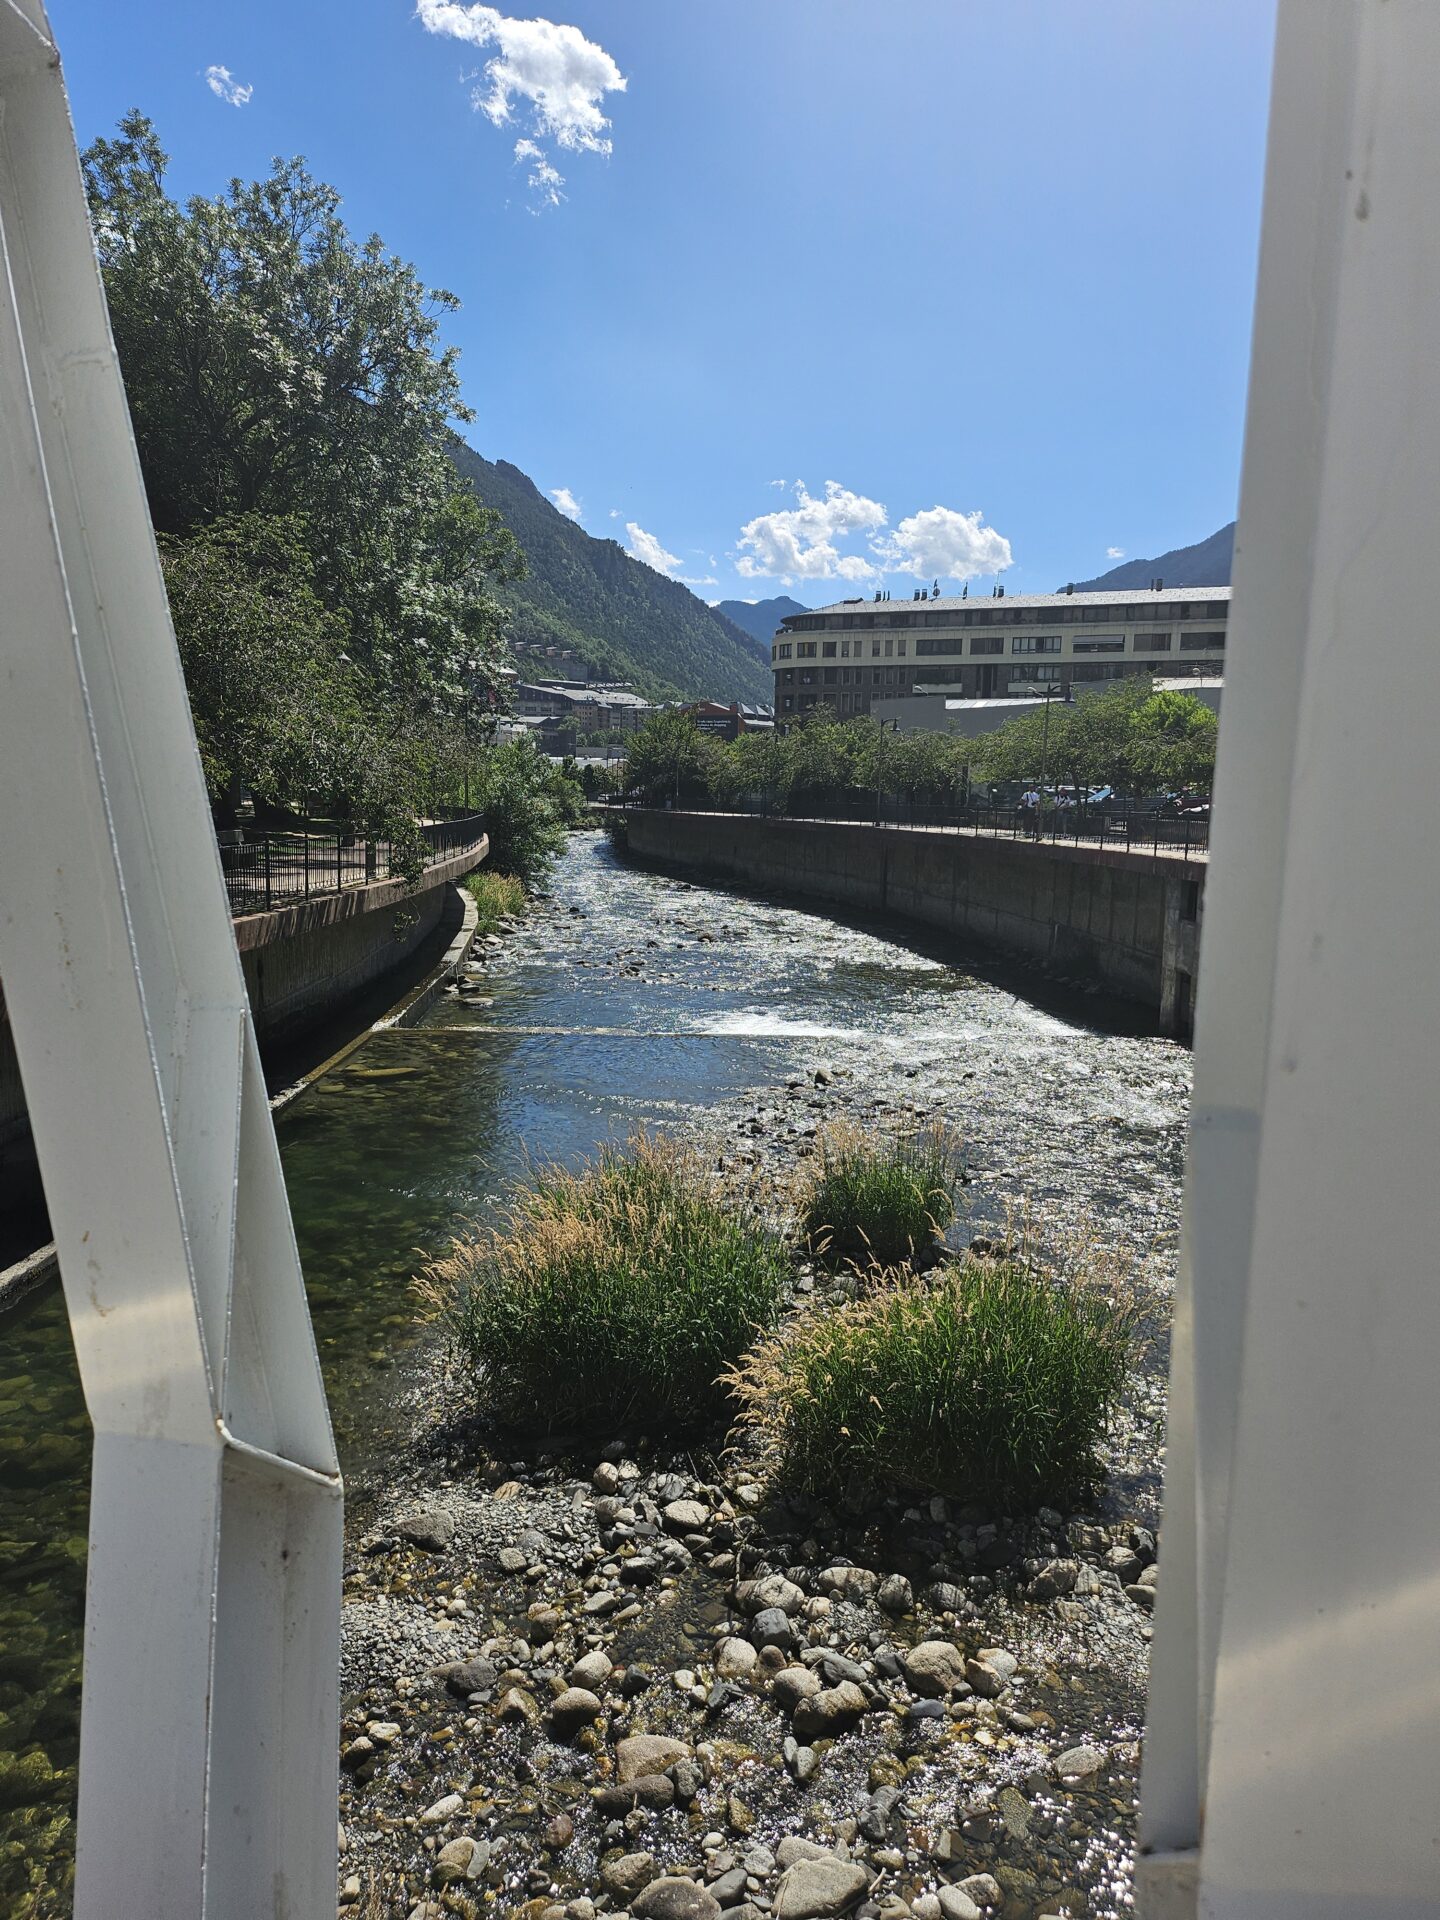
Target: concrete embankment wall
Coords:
[[1124, 921], [301, 964]]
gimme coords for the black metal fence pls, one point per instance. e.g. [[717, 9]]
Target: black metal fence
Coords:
[[276, 869], [1133, 829]]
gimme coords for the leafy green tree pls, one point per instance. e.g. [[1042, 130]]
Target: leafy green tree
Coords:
[[1173, 740], [275, 366], [670, 759], [528, 803]]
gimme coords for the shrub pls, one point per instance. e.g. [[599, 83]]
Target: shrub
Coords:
[[880, 1198], [990, 1379], [527, 804], [630, 1287], [497, 896]]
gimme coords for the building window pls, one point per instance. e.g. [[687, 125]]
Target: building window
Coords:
[[903, 644], [1036, 643], [987, 643], [1152, 643], [937, 619], [1101, 643], [805, 650], [901, 619], [1031, 676], [889, 648], [874, 649], [788, 701], [875, 676], [830, 676], [1202, 643], [828, 650]]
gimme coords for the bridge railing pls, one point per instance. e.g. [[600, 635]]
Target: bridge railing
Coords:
[[276, 869], [1131, 830]]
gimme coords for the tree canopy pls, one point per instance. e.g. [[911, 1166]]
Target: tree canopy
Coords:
[[292, 407]]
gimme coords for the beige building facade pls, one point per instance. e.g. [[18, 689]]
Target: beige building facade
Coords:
[[855, 653]]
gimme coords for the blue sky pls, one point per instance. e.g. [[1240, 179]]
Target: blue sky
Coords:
[[976, 274]]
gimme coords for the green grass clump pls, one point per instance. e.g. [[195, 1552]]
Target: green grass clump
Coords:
[[989, 1380], [628, 1288], [880, 1198], [497, 896]]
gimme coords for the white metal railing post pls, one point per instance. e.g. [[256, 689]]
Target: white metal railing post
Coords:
[[1293, 1740], [208, 1739]]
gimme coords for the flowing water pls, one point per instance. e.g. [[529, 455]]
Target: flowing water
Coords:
[[631, 999]]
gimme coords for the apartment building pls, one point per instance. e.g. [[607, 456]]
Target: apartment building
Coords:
[[1009, 646]]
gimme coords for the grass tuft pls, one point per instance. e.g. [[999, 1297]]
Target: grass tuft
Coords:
[[497, 896], [631, 1286], [884, 1198], [990, 1379]]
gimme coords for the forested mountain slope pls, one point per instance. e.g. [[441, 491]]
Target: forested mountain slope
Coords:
[[589, 595]]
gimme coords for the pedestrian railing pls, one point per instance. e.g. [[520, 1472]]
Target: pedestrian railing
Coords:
[[276, 869], [1133, 830]]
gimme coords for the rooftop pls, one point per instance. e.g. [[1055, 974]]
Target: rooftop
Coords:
[[954, 603]]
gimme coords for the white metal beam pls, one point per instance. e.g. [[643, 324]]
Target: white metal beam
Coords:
[[1294, 1734], [207, 1767]]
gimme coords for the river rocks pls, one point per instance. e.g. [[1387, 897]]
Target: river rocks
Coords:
[[445, 1808], [831, 1711], [935, 1667], [462, 1859], [894, 1595], [592, 1670], [430, 1527], [736, 1659], [984, 1679], [1054, 1579], [794, 1684], [849, 1583], [576, 1707], [774, 1590], [955, 1905], [983, 1888], [675, 1899], [653, 1791], [646, 1753], [816, 1888], [464, 1677], [686, 1516], [518, 1703], [624, 1878], [772, 1627], [1078, 1763]]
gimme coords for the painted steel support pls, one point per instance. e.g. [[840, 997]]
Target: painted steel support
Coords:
[[1293, 1747], [208, 1741]]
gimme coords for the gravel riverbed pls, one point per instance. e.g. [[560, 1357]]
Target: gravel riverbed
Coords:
[[603, 1674]]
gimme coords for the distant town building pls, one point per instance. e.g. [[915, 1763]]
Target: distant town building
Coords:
[[1007, 647], [728, 723], [943, 713], [586, 707]]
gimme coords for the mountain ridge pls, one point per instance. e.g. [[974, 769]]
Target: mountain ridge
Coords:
[[1206, 564], [589, 596], [760, 618]]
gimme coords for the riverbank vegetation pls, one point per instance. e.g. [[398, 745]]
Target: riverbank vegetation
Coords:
[[498, 897], [880, 1198], [626, 1289], [1131, 737], [636, 1287], [990, 1379]]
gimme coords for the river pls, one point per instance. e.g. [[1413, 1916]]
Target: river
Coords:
[[629, 999]]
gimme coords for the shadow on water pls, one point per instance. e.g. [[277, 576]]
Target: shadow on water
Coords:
[[631, 999]]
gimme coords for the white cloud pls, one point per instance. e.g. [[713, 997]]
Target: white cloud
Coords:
[[614, 513], [798, 543], [550, 73], [708, 580], [777, 483], [223, 84], [645, 547], [1114, 553], [566, 502], [544, 179], [945, 544], [805, 542]]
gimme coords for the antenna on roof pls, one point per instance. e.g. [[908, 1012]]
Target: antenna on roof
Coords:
[[935, 591], [965, 591]]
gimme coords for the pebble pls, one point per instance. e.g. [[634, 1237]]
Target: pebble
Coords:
[[647, 1753], [1078, 1763], [629, 1875], [828, 1712], [430, 1527], [934, 1667], [444, 1809], [736, 1659], [955, 1905]]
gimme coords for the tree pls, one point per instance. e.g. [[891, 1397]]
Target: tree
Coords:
[[275, 366], [1173, 740], [527, 804], [670, 759]]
